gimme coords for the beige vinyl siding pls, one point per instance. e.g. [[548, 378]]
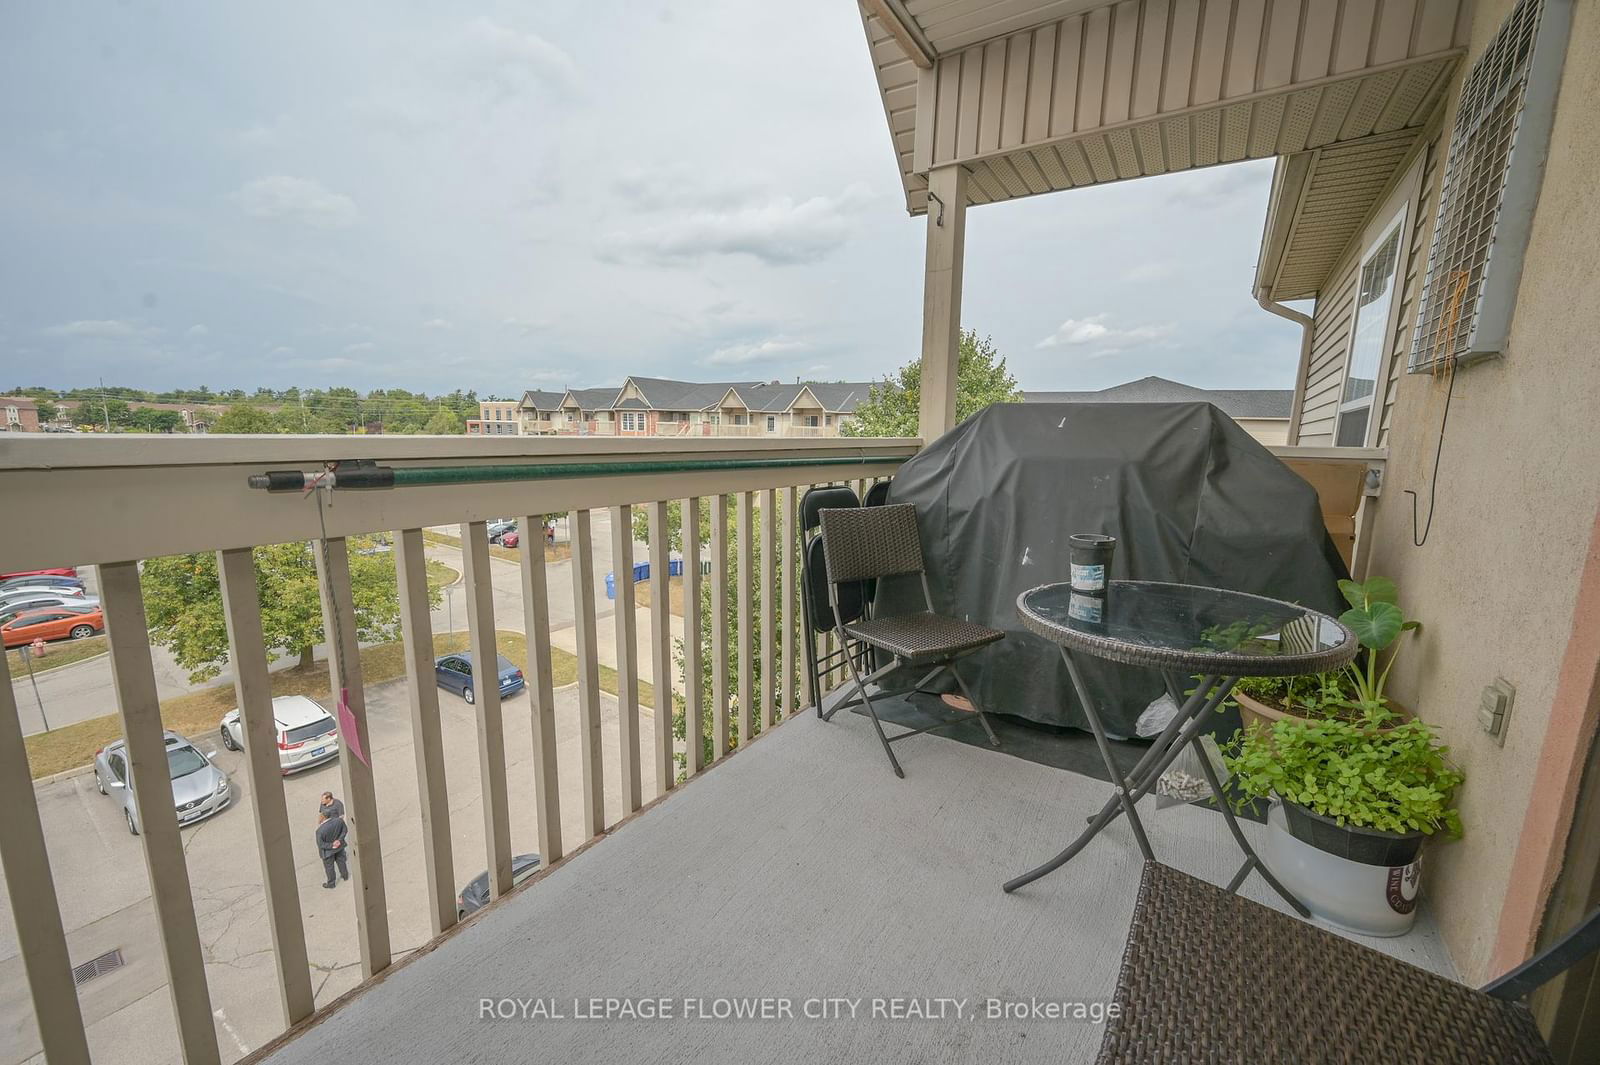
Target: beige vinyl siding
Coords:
[[1416, 267], [1330, 344]]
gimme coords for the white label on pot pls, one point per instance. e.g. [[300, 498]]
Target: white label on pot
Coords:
[[1086, 608], [1088, 578], [1401, 890]]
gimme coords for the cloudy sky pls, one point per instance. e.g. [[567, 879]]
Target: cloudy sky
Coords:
[[506, 196]]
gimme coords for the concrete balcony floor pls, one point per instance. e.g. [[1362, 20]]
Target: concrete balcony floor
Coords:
[[803, 869]]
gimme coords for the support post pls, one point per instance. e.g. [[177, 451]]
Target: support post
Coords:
[[629, 773], [252, 686], [427, 736], [541, 689], [693, 648], [41, 939], [661, 643], [941, 299], [591, 761]]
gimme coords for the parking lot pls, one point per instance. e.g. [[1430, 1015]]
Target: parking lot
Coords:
[[103, 889]]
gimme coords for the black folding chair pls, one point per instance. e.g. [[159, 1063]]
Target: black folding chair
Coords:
[[871, 543], [816, 611]]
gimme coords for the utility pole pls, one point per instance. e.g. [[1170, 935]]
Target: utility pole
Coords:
[[303, 426], [104, 409], [27, 658]]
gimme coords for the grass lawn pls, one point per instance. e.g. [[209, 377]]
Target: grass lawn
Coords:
[[199, 714], [440, 575], [57, 654], [642, 594], [552, 552]]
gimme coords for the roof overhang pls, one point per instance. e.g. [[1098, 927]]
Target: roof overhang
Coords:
[[1320, 202], [1033, 96]]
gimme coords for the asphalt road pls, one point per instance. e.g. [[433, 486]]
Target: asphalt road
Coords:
[[84, 690], [103, 889]]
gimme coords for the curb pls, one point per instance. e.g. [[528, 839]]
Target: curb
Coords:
[[65, 774], [69, 665]]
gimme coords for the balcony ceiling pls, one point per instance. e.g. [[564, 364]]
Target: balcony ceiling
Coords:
[[802, 867], [1034, 96]]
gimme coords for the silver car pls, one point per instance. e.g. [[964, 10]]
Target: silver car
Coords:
[[199, 789], [306, 733]]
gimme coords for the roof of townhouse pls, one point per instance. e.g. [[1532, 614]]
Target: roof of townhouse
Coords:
[[594, 398], [1234, 402], [539, 399]]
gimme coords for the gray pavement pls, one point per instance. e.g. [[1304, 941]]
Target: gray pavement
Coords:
[[104, 892]]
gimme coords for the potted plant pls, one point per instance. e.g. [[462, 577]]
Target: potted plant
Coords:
[[1355, 693], [1364, 795]]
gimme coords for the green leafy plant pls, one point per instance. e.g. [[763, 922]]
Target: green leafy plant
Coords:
[[1396, 780], [1377, 621]]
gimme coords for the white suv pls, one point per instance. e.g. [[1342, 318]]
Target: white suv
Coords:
[[307, 734]]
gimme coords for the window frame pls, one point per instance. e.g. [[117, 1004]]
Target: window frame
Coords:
[[1395, 227]]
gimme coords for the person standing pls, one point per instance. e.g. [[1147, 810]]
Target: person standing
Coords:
[[331, 837], [330, 807]]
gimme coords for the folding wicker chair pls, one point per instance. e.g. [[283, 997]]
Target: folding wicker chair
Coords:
[[869, 543], [1210, 976]]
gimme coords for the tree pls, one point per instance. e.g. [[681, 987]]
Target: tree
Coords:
[[47, 411], [183, 603], [982, 379], [148, 420], [242, 418], [444, 422]]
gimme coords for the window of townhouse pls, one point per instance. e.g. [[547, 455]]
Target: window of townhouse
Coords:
[[1373, 328], [772, 423]]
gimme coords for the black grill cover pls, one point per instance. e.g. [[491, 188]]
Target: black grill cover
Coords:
[[1189, 495]]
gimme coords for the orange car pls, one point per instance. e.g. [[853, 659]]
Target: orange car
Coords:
[[52, 623]]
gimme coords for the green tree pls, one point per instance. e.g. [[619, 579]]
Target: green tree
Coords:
[[183, 603], [243, 418], [147, 420], [47, 411], [981, 379], [445, 422]]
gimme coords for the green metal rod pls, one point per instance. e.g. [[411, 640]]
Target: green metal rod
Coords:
[[418, 476], [408, 476]]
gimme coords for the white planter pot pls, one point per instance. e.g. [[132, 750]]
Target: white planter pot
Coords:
[[1370, 900]]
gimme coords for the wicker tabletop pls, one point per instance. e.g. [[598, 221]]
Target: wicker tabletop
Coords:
[[1190, 628]]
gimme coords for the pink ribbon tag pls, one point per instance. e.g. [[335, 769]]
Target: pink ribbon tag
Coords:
[[348, 731]]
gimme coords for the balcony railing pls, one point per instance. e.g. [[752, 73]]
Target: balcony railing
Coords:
[[135, 498]]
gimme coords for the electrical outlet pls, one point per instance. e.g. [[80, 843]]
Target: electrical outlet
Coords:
[[1494, 708]]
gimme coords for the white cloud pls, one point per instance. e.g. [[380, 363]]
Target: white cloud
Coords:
[[365, 345], [780, 231], [436, 323], [198, 330], [1094, 332], [106, 328], [773, 349], [296, 199], [512, 59]]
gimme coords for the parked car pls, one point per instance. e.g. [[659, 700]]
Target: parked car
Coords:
[[498, 529], [475, 896], [510, 539], [307, 734], [53, 623], [18, 607], [29, 591], [454, 673], [199, 789], [18, 583], [59, 571]]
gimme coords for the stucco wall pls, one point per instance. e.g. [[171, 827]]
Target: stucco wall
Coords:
[[1496, 582]]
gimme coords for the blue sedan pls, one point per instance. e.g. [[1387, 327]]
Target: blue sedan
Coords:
[[454, 673]]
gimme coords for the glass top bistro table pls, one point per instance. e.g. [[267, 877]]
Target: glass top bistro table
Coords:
[[1182, 630]]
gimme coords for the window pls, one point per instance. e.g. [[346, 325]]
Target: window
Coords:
[[13, 416], [772, 423], [1491, 184], [118, 767], [811, 420], [1374, 299], [631, 421]]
